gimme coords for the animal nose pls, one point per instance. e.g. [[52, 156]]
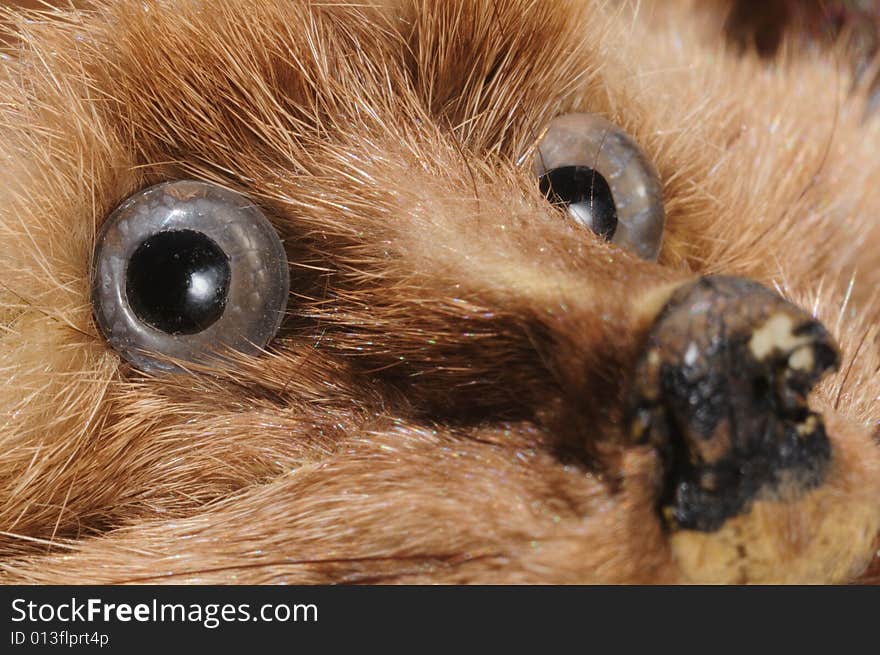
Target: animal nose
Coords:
[[721, 391]]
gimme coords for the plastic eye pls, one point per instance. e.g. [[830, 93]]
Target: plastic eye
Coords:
[[185, 270], [608, 184]]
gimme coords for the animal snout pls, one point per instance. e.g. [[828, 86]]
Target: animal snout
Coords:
[[721, 391]]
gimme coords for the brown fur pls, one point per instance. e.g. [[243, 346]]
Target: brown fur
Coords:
[[444, 402]]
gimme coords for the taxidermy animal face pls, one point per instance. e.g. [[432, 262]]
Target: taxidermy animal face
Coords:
[[435, 291]]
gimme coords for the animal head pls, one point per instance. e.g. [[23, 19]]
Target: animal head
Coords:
[[472, 380]]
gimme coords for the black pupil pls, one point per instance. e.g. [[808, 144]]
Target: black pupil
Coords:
[[177, 281], [587, 195]]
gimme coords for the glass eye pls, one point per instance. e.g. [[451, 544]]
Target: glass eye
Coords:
[[184, 270], [607, 183]]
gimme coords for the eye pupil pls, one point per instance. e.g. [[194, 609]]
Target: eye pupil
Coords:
[[586, 193], [178, 281], [188, 271]]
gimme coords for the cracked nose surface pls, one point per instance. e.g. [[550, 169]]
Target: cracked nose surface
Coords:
[[721, 391]]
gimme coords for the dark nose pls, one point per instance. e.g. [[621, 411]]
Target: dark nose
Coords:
[[721, 391]]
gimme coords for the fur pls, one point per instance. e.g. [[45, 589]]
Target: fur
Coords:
[[444, 402]]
